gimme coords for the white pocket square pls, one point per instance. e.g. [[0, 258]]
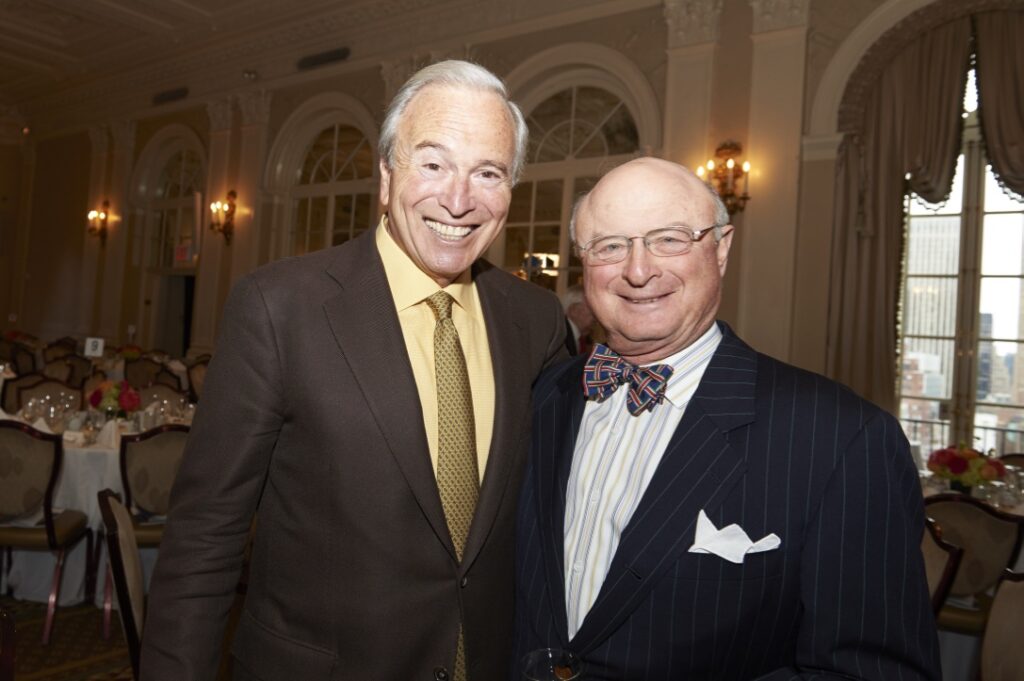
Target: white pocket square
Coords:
[[730, 542]]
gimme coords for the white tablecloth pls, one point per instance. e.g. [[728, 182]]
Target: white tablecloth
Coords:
[[86, 471]]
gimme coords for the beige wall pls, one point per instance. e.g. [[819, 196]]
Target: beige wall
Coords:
[[11, 174]]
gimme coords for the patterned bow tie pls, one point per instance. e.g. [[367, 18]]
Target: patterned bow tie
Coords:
[[605, 371]]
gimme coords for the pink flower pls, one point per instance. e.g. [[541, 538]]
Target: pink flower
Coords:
[[128, 400], [95, 398], [957, 465]]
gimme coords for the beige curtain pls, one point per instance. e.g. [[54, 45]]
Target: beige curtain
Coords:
[[911, 124], [1000, 73]]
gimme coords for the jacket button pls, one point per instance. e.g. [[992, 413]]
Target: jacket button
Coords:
[[464, 582], [440, 674]]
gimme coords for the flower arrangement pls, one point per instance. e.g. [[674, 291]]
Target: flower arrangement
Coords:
[[964, 465], [111, 396], [130, 351]]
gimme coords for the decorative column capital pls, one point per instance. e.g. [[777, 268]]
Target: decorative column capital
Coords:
[[394, 73], [255, 107], [773, 15], [692, 22], [220, 112]]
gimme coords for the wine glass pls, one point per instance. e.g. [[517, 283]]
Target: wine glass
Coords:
[[551, 664]]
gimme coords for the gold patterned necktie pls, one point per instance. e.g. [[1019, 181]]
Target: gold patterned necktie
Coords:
[[458, 480]]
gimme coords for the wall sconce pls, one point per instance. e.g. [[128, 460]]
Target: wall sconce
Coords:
[[725, 175], [98, 222], [222, 216]]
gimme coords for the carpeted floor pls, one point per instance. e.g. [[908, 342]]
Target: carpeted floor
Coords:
[[77, 651]]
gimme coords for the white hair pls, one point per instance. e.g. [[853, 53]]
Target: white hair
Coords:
[[456, 73]]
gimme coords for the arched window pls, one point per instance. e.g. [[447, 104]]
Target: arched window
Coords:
[[173, 240], [334, 197], [576, 135]]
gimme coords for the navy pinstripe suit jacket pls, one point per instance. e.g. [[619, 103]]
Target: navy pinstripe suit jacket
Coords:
[[774, 449]]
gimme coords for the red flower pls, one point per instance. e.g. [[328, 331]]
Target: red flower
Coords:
[[956, 465], [95, 398], [128, 400]]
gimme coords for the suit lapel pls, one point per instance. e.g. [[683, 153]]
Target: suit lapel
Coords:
[[558, 423], [697, 471], [505, 335], [365, 325]]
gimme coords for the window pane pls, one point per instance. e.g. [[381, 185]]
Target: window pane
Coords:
[[998, 428], [349, 141], [933, 245], [364, 214], [553, 111], [342, 219], [517, 245], [545, 243], [319, 153], [1002, 251], [927, 368], [300, 226], [553, 145], [549, 201], [999, 379], [1001, 307], [522, 199], [995, 198], [621, 134], [923, 427], [929, 306]]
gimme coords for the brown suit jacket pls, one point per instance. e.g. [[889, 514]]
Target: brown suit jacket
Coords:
[[310, 414]]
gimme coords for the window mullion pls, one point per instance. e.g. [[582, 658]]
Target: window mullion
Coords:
[[966, 369]]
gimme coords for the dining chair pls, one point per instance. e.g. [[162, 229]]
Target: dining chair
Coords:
[[990, 540], [158, 392], [1002, 655], [196, 377], [168, 378], [9, 401], [92, 382], [57, 369], [81, 368], [49, 387], [55, 351], [149, 463], [941, 562], [30, 462], [1014, 459], [126, 571], [6, 645], [141, 373], [24, 360]]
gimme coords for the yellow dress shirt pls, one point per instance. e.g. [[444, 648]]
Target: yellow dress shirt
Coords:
[[410, 287]]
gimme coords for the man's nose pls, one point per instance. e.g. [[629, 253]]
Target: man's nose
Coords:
[[640, 265], [458, 196]]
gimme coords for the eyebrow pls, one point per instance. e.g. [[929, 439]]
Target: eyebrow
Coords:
[[437, 146]]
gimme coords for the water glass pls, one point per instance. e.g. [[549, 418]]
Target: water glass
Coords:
[[551, 664]]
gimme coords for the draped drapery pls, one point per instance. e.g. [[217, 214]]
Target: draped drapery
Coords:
[[1000, 77], [911, 124]]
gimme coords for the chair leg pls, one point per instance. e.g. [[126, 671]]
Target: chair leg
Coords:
[[91, 564], [51, 607], [108, 597]]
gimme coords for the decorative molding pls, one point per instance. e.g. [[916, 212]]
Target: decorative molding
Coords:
[[255, 107], [220, 112], [395, 72], [692, 22], [820, 147], [772, 15]]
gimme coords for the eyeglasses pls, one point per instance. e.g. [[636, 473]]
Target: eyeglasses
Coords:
[[608, 250]]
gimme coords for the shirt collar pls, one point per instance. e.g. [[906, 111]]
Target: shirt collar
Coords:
[[688, 366], [409, 284]]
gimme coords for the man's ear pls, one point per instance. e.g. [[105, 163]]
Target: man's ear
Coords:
[[385, 182], [724, 244]]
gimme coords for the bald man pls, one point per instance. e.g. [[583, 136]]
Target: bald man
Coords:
[[725, 516]]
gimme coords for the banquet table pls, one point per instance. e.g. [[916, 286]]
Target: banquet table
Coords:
[[86, 470]]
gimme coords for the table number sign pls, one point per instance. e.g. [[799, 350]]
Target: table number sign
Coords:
[[93, 347]]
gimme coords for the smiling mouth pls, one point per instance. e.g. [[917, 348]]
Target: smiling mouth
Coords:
[[448, 232], [645, 301]]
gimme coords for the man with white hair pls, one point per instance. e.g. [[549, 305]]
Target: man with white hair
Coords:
[[366, 404]]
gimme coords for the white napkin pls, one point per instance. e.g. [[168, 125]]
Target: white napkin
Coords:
[[107, 436], [730, 542], [75, 438], [4, 415], [42, 426], [175, 365]]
